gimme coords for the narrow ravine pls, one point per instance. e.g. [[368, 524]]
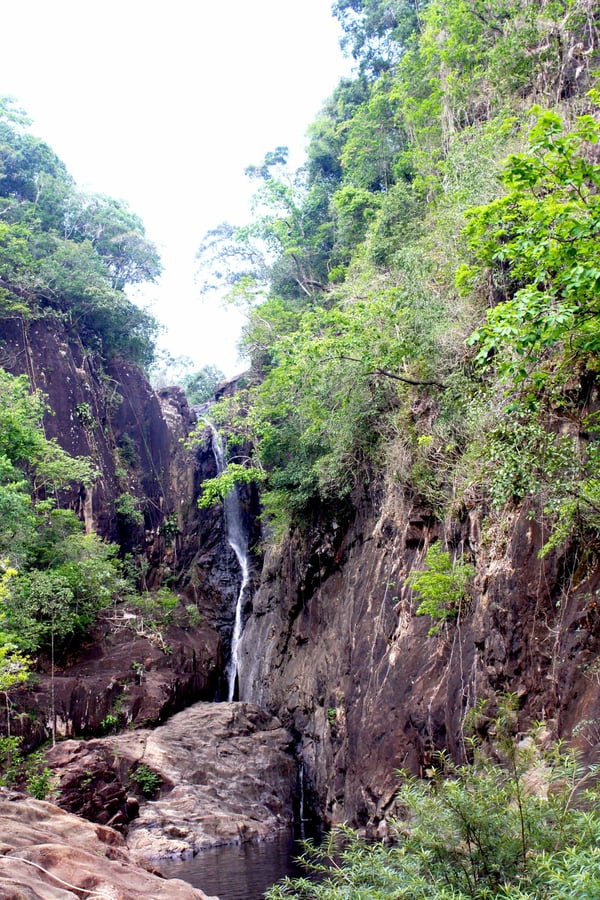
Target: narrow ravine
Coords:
[[238, 541]]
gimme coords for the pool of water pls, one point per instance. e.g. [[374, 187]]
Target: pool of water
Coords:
[[238, 871]]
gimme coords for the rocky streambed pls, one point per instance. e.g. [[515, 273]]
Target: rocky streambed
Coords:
[[216, 773]]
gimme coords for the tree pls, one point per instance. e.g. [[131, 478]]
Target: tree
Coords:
[[376, 31], [200, 386], [373, 138], [117, 236], [540, 242], [69, 254], [286, 246]]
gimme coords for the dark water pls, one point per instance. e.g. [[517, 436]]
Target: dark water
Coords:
[[237, 872]]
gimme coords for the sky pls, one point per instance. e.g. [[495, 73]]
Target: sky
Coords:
[[164, 105]]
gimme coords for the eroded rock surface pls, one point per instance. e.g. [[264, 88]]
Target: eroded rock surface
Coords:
[[49, 854], [335, 650], [120, 678], [227, 775]]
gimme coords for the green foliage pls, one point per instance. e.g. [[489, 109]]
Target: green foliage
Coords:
[[518, 823], [15, 667], [69, 255], [147, 781], [10, 759], [55, 578], [541, 241], [522, 457], [110, 723], [443, 586], [42, 607], [39, 779], [91, 569], [373, 138], [40, 784], [24, 449], [156, 607], [18, 769], [214, 490], [200, 386], [117, 236], [128, 511], [80, 577], [170, 527], [363, 288], [194, 616], [375, 31], [354, 210]]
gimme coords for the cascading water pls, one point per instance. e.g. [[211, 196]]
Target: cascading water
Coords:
[[238, 541]]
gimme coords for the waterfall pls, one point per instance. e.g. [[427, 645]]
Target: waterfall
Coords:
[[238, 541], [301, 817]]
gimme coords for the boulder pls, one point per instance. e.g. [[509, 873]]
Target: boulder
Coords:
[[49, 854], [225, 773]]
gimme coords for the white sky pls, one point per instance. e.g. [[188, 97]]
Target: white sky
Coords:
[[164, 105]]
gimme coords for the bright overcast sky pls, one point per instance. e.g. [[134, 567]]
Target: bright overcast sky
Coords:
[[163, 104]]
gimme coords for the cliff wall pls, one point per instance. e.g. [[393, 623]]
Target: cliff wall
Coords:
[[106, 410], [334, 648], [332, 645]]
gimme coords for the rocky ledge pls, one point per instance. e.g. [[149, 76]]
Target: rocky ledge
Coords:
[[49, 854], [222, 772]]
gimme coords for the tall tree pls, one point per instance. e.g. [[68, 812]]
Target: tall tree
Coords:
[[376, 31]]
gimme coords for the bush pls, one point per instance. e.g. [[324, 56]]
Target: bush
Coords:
[[128, 511], [521, 826], [443, 585], [147, 780]]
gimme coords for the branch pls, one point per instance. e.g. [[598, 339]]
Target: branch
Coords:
[[387, 374]]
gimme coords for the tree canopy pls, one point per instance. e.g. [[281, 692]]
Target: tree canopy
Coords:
[[408, 268], [68, 254]]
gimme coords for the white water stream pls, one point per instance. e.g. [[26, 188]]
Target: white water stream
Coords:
[[238, 541]]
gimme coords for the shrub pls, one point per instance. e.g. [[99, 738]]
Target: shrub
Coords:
[[128, 511], [473, 832], [147, 780], [443, 585]]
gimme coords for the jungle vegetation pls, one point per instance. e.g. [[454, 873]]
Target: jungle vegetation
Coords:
[[422, 294], [423, 313], [66, 257]]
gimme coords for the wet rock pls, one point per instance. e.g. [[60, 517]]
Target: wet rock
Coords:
[[49, 854]]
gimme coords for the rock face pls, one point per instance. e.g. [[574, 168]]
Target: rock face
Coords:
[[48, 854], [109, 412], [121, 679], [226, 771], [334, 649], [106, 411]]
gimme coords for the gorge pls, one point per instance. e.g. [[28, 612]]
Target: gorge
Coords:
[[363, 574], [331, 646]]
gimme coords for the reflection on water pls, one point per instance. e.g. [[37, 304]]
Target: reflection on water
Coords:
[[239, 871]]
